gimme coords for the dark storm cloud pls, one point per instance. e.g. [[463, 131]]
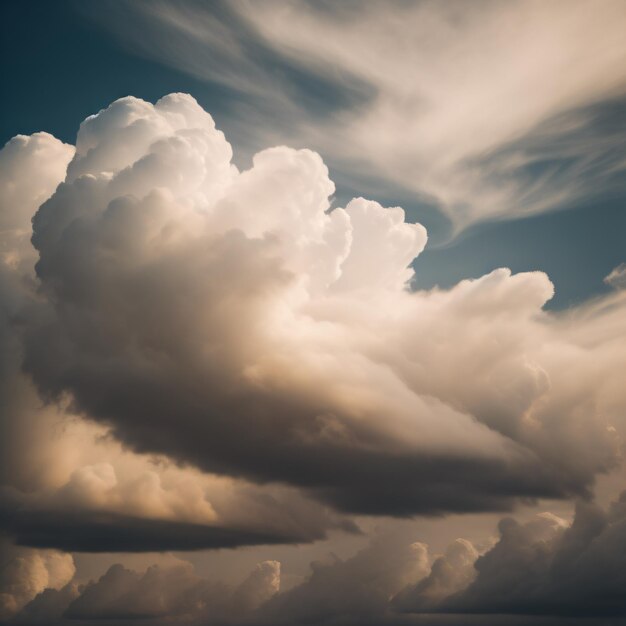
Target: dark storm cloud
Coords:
[[579, 573], [87, 531], [543, 567], [542, 572], [545, 570]]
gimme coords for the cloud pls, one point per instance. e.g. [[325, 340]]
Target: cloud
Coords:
[[30, 170], [543, 571], [617, 277], [493, 112], [450, 572], [88, 531], [548, 568], [65, 482], [48, 606], [231, 321], [358, 588], [160, 594], [26, 572], [41, 155]]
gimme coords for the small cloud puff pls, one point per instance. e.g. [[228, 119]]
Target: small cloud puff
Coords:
[[617, 277]]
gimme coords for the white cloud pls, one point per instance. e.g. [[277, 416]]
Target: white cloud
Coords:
[[457, 86], [199, 311], [54, 462]]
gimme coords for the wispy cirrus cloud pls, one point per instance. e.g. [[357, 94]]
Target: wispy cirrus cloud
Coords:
[[491, 110]]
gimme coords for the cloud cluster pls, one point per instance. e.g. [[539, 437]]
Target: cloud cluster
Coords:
[[231, 320], [545, 567], [356, 588], [159, 593]]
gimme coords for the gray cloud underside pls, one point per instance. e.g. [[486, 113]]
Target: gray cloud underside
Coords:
[[87, 531]]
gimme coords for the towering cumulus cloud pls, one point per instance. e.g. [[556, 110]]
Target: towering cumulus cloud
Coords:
[[231, 320], [203, 357]]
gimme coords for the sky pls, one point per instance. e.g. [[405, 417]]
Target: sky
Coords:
[[312, 312]]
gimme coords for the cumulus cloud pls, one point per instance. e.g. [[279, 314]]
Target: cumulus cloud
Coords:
[[156, 595], [546, 567], [31, 167], [547, 570], [65, 483], [202, 357], [26, 572], [30, 170], [450, 572], [231, 320], [358, 587]]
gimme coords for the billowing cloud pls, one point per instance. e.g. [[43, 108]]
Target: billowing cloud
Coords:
[[450, 572], [30, 170], [546, 567], [65, 482], [159, 593], [26, 572], [232, 321], [356, 588]]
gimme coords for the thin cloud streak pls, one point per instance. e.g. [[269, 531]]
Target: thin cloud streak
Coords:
[[489, 109]]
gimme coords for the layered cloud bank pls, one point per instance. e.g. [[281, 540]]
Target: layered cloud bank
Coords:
[[198, 357], [545, 567]]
